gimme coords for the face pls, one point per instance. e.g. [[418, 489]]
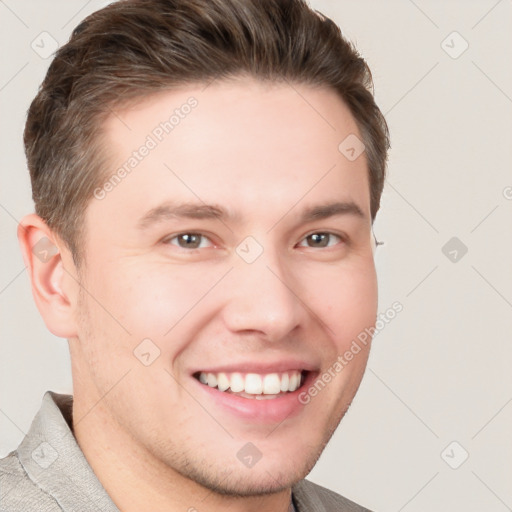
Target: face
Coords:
[[227, 270]]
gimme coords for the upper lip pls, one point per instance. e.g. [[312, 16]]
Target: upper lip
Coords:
[[280, 366]]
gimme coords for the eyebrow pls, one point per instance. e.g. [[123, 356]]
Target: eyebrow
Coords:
[[331, 209], [170, 210]]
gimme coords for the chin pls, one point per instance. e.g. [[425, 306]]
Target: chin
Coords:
[[238, 481]]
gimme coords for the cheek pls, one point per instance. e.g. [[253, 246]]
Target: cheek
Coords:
[[347, 301], [152, 302]]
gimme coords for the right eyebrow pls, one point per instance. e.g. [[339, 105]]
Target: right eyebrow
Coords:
[[171, 210]]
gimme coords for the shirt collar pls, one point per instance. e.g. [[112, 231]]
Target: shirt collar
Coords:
[[53, 460]]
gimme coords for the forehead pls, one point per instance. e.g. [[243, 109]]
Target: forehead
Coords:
[[256, 148]]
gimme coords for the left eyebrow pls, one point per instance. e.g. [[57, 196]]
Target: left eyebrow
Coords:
[[331, 209]]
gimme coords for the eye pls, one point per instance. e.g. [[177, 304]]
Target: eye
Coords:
[[190, 241], [320, 240]]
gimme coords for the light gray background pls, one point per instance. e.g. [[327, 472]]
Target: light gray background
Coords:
[[440, 371]]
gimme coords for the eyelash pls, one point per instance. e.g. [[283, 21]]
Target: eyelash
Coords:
[[341, 238]]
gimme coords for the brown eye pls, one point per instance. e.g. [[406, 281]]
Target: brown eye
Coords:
[[320, 240], [190, 241]]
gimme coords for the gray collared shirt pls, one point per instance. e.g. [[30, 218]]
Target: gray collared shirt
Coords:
[[49, 473]]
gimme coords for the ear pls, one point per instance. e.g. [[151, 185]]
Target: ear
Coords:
[[51, 270]]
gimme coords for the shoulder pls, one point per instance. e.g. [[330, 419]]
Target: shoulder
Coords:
[[19, 492], [310, 497]]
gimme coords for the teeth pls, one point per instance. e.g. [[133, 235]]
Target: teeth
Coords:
[[285, 382], [222, 382], [292, 386], [272, 384], [237, 383], [212, 380], [253, 385]]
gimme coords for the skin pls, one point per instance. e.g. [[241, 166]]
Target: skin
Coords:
[[265, 153]]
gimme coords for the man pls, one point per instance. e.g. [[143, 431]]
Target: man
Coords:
[[205, 175]]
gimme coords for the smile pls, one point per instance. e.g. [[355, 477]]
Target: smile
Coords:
[[254, 385]]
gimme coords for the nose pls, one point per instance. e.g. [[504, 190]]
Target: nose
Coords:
[[264, 298]]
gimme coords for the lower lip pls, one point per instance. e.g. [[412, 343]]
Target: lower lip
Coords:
[[272, 410]]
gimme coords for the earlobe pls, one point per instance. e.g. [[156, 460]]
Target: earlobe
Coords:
[[45, 258]]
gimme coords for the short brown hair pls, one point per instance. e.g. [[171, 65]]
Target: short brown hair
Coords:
[[133, 48]]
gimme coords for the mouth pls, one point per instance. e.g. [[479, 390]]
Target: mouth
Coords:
[[254, 386]]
